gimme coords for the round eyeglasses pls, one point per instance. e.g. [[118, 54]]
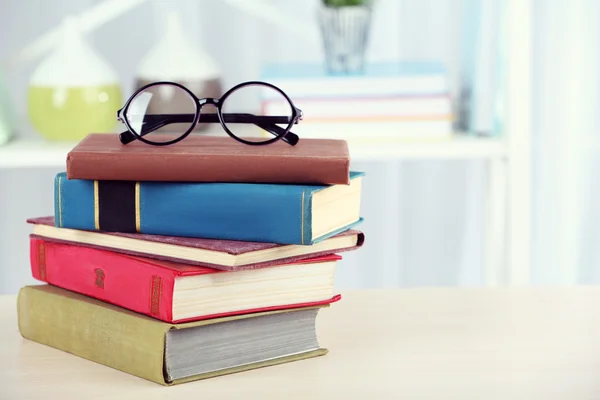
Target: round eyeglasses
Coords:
[[163, 113]]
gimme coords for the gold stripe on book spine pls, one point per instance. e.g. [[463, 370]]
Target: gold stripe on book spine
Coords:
[[138, 214], [60, 224], [155, 292], [96, 207], [41, 260], [302, 220]]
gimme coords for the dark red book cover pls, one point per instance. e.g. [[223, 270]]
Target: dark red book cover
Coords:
[[139, 284], [232, 247]]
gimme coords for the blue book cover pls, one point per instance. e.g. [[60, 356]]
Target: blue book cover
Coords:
[[378, 79], [275, 213], [373, 70]]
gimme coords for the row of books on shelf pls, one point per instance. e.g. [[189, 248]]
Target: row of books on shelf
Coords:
[[180, 263], [387, 101]]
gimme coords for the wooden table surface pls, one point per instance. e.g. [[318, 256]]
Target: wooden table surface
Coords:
[[385, 344]]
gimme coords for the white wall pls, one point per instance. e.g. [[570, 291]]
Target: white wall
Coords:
[[423, 219]]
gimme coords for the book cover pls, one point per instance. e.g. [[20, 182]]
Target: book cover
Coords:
[[228, 255], [481, 65], [350, 109], [147, 286], [113, 336], [309, 80], [210, 159], [277, 213], [380, 129]]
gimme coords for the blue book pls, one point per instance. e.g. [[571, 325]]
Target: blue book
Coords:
[[384, 79], [275, 213], [386, 69]]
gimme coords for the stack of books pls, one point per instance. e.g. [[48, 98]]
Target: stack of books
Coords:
[[387, 101], [184, 262]]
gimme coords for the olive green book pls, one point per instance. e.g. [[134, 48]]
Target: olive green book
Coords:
[[161, 352]]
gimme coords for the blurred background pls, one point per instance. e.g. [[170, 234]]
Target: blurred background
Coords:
[[475, 121]]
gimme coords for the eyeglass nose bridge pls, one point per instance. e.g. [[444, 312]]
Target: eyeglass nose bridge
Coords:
[[208, 100]]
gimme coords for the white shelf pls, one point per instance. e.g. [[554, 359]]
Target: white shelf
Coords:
[[455, 147], [39, 154], [31, 153]]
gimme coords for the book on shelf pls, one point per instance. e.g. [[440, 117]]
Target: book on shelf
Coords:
[[200, 158], [274, 213], [175, 292], [405, 100], [482, 66], [378, 129], [165, 353], [354, 109], [228, 255], [307, 80]]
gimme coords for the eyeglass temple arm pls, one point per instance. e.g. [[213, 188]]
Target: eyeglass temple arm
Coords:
[[265, 122]]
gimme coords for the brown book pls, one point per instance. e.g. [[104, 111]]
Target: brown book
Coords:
[[210, 159]]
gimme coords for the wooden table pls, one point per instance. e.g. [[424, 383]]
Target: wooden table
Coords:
[[396, 344]]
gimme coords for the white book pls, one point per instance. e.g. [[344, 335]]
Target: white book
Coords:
[[423, 129], [357, 108]]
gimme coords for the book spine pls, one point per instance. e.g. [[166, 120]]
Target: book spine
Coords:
[[112, 277], [231, 211], [100, 333]]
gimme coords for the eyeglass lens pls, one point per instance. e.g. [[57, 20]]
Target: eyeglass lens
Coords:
[[162, 112], [246, 101]]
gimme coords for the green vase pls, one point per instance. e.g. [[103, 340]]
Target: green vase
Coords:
[[73, 92]]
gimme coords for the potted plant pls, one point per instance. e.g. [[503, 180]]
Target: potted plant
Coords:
[[345, 26]]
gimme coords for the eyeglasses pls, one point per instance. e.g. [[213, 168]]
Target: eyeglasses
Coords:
[[171, 107]]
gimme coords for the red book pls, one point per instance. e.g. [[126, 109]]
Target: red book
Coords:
[[174, 292]]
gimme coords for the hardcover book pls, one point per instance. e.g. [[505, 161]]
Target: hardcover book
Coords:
[[210, 159], [277, 213], [373, 109], [229, 255], [164, 353], [310, 80], [380, 129], [174, 292]]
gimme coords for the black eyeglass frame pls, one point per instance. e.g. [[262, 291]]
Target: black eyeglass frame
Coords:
[[267, 123]]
